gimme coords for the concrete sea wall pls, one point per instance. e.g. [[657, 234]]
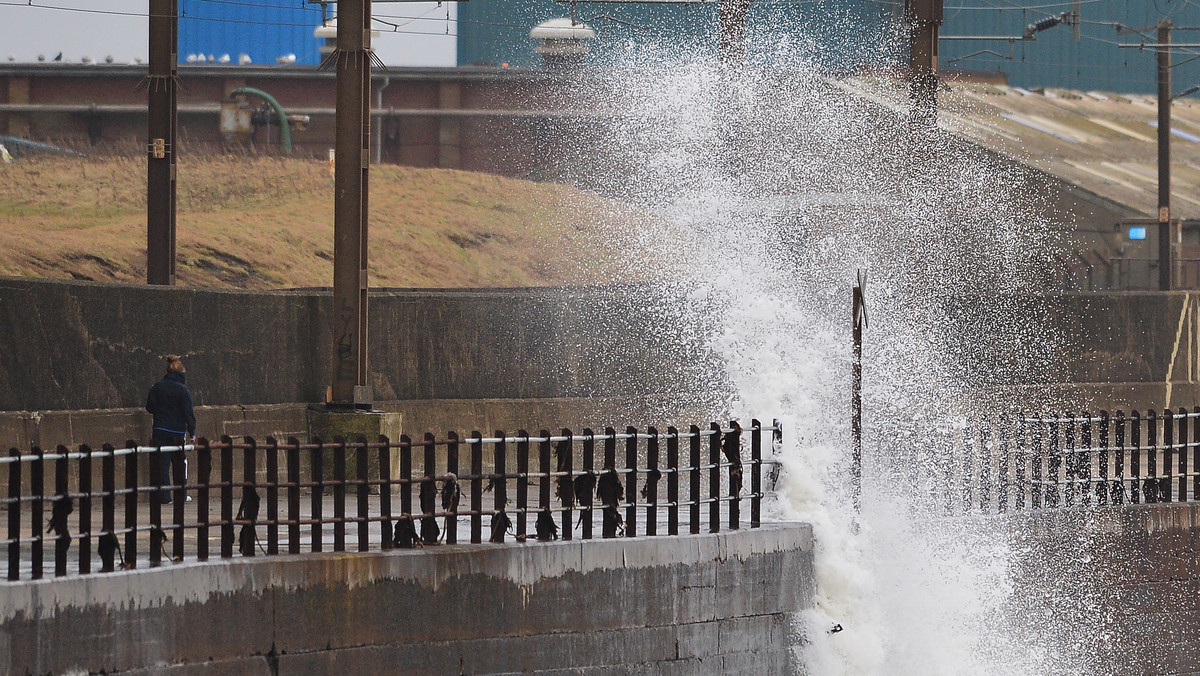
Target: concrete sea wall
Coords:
[[1124, 580], [689, 605]]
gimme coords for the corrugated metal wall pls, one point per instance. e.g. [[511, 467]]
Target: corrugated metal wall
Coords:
[[263, 29], [1056, 58], [839, 32]]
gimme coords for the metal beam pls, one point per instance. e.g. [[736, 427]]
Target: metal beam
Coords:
[[1166, 261], [161, 82], [924, 18], [732, 40], [349, 389]]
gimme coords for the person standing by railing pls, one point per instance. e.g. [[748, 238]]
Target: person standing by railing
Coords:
[[170, 402]]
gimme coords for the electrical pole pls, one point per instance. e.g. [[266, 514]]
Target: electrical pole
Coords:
[[1166, 263], [161, 81], [924, 18], [732, 40], [349, 389]]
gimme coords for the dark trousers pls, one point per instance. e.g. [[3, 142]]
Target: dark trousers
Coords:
[[168, 461]]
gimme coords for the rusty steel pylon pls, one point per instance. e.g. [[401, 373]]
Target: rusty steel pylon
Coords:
[[161, 82], [349, 389]]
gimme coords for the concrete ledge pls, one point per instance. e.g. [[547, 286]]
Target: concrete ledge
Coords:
[[705, 601]]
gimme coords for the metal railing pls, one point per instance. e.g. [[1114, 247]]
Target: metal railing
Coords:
[[1067, 460], [631, 482]]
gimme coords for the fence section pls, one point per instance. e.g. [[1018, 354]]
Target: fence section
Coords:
[[369, 495], [1068, 460]]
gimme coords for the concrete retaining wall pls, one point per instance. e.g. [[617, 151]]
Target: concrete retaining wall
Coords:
[[79, 345], [705, 604], [1122, 582], [74, 346]]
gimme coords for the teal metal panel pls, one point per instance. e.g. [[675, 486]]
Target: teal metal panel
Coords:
[[1056, 58], [836, 32]]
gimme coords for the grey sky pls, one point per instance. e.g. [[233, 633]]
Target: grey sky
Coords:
[[27, 31]]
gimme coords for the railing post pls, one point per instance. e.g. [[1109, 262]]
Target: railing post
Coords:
[[986, 459], [1196, 453], [249, 513], [1150, 485], [1037, 489], [14, 515], [178, 499], [1135, 457], [1019, 463], [714, 478], [131, 499], [1165, 482], [362, 493], [156, 497], [1084, 464], [650, 491], [672, 481], [694, 480], [1054, 461], [293, 495], [1001, 433], [1182, 496], [522, 483], [226, 496], [609, 514], [429, 483], [406, 475], [500, 487], [475, 444], [452, 468], [85, 509], [385, 491], [203, 496], [631, 481], [588, 469], [566, 483], [968, 468], [545, 480], [1117, 492], [1102, 488], [756, 473], [1071, 460], [317, 499], [108, 504], [272, 496], [37, 482], [58, 513], [339, 494], [731, 447]]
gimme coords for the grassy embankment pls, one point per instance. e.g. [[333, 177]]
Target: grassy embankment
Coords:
[[262, 223]]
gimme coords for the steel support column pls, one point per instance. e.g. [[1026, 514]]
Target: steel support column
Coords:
[[160, 153], [732, 40], [352, 146], [1166, 261], [924, 18]]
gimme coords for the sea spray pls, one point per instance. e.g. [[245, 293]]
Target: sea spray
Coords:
[[774, 183]]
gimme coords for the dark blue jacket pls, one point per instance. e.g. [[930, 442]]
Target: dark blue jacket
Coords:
[[170, 403]]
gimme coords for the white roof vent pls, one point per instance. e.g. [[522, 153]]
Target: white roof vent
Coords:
[[562, 42]]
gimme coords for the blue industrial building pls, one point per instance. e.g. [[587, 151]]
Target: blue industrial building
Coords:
[[264, 30]]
